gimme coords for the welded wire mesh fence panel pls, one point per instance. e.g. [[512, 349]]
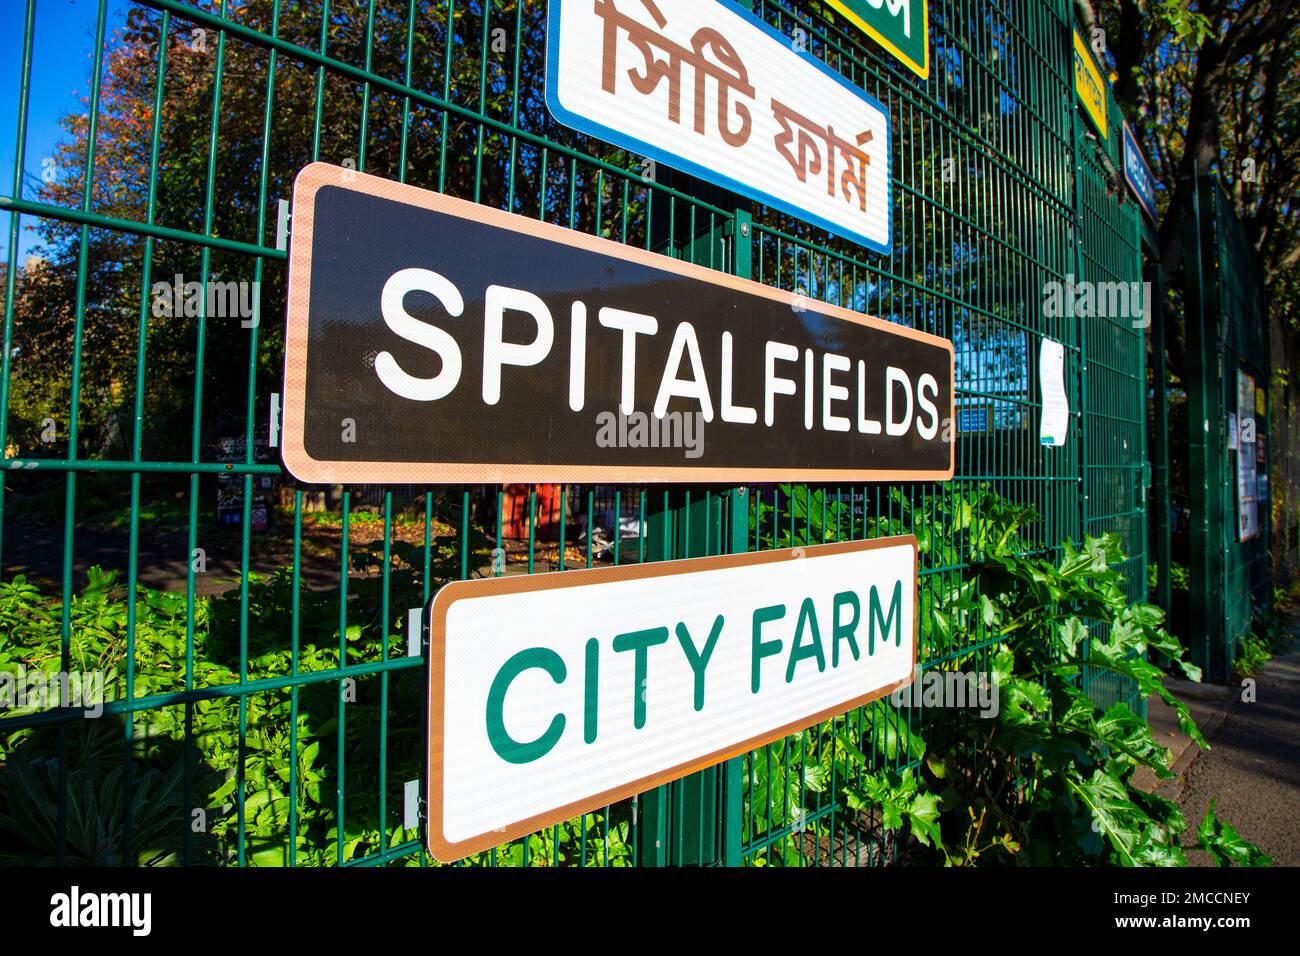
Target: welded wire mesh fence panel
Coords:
[[983, 224], [1114, 320], [1237, 298], [255, 632]]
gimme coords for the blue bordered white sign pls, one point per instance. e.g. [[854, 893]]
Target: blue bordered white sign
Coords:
[[710, 89]]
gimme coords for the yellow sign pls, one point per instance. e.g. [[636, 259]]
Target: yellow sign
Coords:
[[1088, 85]]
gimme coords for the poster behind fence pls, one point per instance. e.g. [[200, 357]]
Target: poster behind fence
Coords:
[[710, 89]]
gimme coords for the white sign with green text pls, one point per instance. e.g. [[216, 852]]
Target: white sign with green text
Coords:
[[552, 695]]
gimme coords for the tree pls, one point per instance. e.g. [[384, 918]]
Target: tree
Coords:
[[312, 114], [1213, 86]]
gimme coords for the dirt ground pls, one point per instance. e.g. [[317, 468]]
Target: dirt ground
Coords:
[[36, 550]]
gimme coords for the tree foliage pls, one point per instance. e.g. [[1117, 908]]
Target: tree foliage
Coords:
[[207, 177], [1213, 87]]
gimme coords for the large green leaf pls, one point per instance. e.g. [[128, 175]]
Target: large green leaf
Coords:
[[1222, 841]]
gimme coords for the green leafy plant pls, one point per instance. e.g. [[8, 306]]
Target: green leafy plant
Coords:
[[1272, 631], [219, 778], [1046, 779], [1049, 778], [1224, 843], [1253, 652], [1180, 578]]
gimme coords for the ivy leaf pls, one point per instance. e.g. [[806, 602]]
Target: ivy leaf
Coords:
[[1002, 665], [891, 815], [1022, 701], [1190, 670], [1185, 722], [923, 818], [898, 799], [1152, 852], [851, 750], [1167, 814], [924, 540]]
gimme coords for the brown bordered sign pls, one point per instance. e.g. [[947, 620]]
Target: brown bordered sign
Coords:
[[431, 339], [472, 630]]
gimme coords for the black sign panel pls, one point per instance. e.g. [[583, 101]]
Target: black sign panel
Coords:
[[435, 340]]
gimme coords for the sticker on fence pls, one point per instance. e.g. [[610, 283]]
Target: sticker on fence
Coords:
[[712, 90], [554, 695], [431, 339]]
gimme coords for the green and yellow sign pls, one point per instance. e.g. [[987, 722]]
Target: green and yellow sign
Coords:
[[1088, 85], [901, 26]]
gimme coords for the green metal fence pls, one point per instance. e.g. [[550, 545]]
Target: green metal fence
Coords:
[[1228, 344], [1112, 354], [266, 710]]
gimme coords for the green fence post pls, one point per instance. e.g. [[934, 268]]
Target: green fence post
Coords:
[[1081, 273], [1236, 342], [681, 822], [1160, 483], [1204, 417], [733, 771]]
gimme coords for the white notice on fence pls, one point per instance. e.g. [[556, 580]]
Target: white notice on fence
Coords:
[[1051, 381], [712, 90], [1247, 486]]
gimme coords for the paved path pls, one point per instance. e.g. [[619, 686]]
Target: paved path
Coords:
[[1253, 767]]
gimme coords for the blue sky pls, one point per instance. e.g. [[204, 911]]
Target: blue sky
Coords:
[[61, 61]]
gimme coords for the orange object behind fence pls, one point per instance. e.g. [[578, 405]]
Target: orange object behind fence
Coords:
[[547, 511]]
